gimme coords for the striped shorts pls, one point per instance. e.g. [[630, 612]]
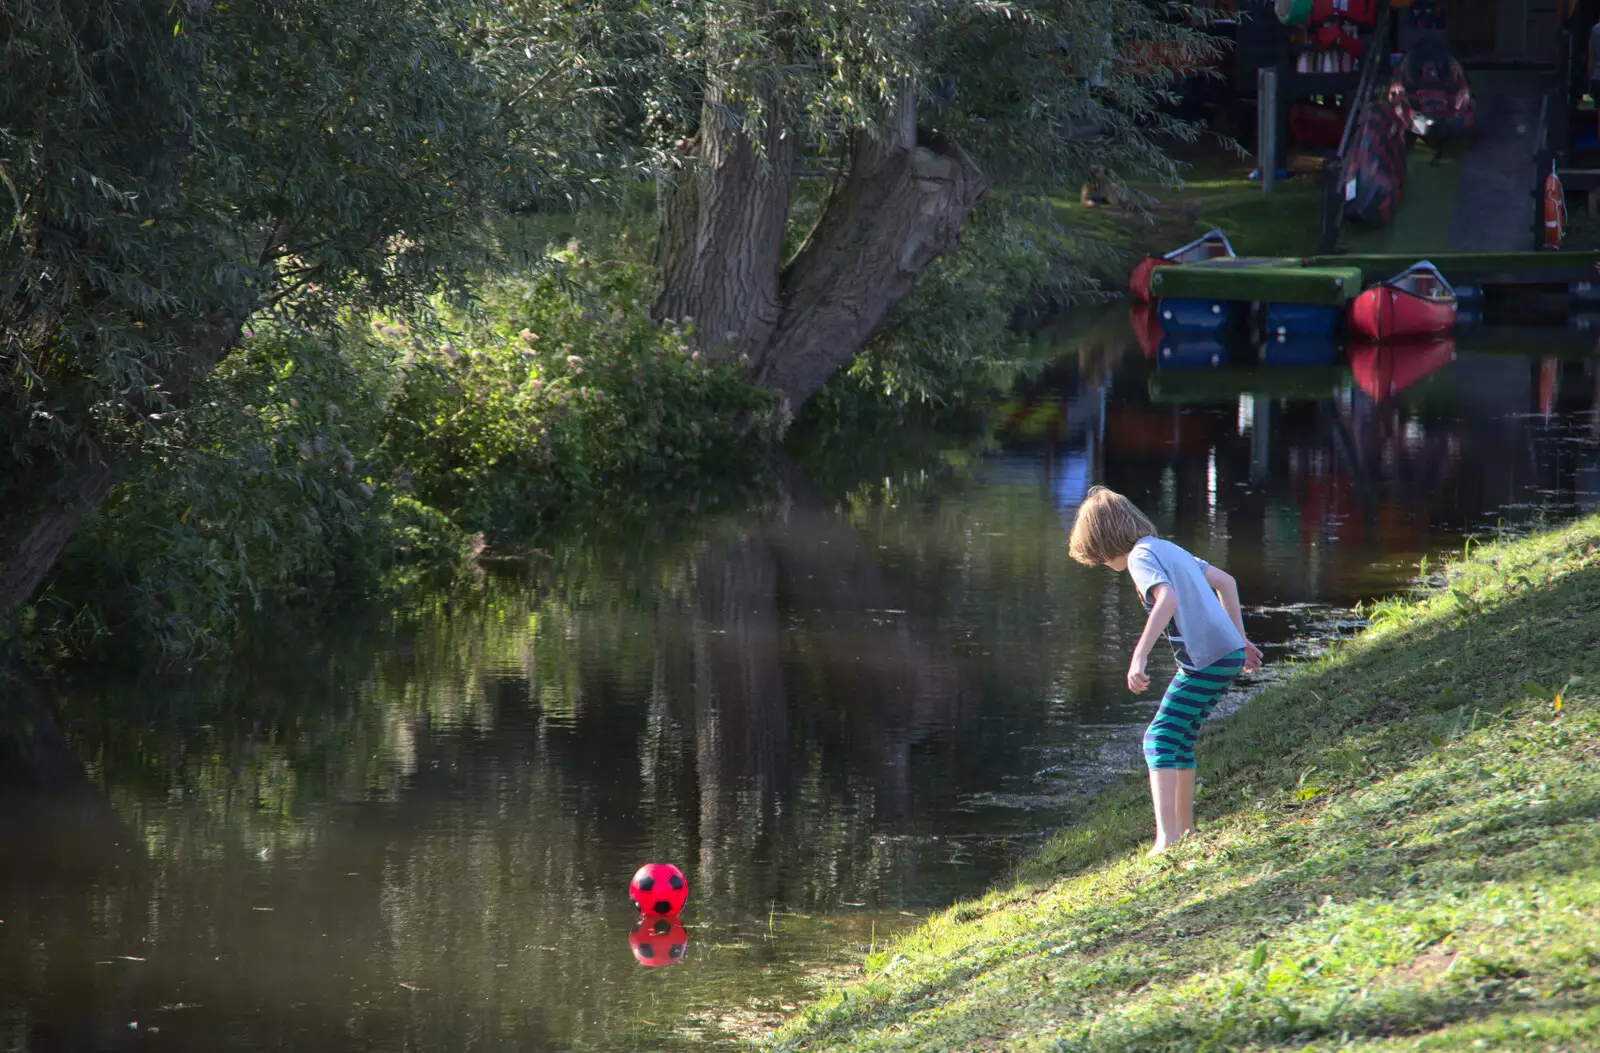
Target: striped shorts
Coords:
[[1190, 698]]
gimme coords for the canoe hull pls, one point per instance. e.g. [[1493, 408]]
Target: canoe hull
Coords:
[[1139, 280], [1146, 329], [1386, 313], [1211, 245]]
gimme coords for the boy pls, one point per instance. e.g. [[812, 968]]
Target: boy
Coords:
[[1197, 605]]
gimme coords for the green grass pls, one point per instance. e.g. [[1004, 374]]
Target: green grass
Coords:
[[1421, 223], [1216, 194], [1398, 850]]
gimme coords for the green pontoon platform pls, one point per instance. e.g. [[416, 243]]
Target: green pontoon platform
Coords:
[[1258, 280]]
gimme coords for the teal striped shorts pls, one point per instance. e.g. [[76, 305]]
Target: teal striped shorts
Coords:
[[1190, 698]]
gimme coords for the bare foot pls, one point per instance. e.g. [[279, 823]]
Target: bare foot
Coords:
[[1161, 846]]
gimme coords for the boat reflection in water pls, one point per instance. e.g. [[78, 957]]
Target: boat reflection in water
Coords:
[[1384, 370]]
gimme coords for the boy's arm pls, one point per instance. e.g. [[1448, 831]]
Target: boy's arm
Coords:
[[1228, 593], [1163, 606]]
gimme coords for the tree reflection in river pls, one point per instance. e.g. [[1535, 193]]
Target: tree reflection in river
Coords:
[[831, 710]]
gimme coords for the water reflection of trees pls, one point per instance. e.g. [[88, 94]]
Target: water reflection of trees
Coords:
[[455, 801], [788, 704]]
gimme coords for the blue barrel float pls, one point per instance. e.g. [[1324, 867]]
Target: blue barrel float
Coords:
[[1300, 351], [1197, 316], [1469, 304], [1299, 319], [1187, 351]]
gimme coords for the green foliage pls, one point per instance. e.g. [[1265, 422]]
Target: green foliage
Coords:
[[954, 339], [1034, 89], [1038, 93], [558, 387], [174, 168], [313, 467], [173, 174], [179, 172], [268, 490]]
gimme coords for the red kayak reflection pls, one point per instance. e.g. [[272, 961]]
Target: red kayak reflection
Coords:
[[1146, 328], [1385, 370]]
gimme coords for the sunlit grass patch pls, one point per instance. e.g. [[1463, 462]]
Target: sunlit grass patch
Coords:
[[1399, 847], [1216, 194]]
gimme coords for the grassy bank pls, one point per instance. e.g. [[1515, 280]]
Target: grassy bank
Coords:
[[1398, 848], [1217, 194]]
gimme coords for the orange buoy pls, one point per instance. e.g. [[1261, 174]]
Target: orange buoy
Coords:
[[1555, 210]]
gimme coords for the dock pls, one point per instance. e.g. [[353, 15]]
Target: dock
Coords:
[[1471, 203]]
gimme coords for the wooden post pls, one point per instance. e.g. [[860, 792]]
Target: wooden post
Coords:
[[1267, 126]]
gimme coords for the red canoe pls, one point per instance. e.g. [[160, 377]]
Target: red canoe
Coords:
[[1208, 246], [1416, 302], [1385, 370]]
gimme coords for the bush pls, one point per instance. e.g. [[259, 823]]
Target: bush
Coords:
[[350, 462], [265, 491], [557, 389]]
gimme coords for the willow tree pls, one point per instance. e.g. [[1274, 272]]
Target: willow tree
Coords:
[[171, 169], [915, 108]]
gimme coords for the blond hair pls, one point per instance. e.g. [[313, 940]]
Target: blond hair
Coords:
[[1108, 526]]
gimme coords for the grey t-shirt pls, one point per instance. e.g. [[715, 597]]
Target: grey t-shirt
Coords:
[[1201, 632]]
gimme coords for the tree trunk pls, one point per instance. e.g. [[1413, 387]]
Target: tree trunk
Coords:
[[34, 755], [46, 503], [42, 517], [900, 206], [722, 233]]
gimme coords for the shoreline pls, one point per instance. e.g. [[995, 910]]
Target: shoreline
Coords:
[[1398, 843]]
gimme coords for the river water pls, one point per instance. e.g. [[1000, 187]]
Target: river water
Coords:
[[837, 711]]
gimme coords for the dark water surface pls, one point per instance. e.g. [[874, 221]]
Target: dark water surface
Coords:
[[837, 713]]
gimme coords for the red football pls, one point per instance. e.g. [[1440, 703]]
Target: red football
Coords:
[[658, 941], [659, 888]]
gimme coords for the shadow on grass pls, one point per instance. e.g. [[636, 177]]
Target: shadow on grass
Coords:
[[1414, 1016]]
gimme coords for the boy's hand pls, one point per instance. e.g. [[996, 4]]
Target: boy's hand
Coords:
[[1137, 680], [1252, 657]]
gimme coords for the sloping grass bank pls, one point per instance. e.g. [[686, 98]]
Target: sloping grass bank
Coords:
[[1398, 849]]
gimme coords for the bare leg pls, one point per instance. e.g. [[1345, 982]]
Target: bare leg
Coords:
[[1185, 801], [1164, 797]]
